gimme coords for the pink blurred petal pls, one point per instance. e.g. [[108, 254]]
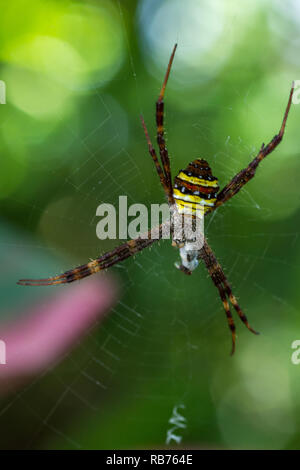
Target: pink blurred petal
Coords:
[[54, 325]]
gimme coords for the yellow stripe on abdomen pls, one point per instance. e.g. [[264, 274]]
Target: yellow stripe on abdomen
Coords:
[[193, 208], [191, 198], [198, 181]]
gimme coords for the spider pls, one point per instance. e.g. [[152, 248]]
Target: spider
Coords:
[[194, 188]]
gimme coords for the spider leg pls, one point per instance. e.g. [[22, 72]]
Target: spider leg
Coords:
[[228, 315], [164, 170], [76, 273], [219, 279], [105, 261], [160, 124], [158, 167], [183, 269], [236, 306], [245, 175]]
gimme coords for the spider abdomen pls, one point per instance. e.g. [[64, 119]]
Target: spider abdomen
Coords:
[[195, 189]]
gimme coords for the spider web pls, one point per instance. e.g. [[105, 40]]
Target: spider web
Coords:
[[154, 352]]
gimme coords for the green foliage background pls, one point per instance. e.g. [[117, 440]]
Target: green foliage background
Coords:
[[78, 74]]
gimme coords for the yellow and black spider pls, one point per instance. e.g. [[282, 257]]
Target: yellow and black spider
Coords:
[[195, 190]]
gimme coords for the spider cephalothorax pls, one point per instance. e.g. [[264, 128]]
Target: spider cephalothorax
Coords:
[[195, 194]]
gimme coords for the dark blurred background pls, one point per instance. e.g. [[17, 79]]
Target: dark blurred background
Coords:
[[77, 75]]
